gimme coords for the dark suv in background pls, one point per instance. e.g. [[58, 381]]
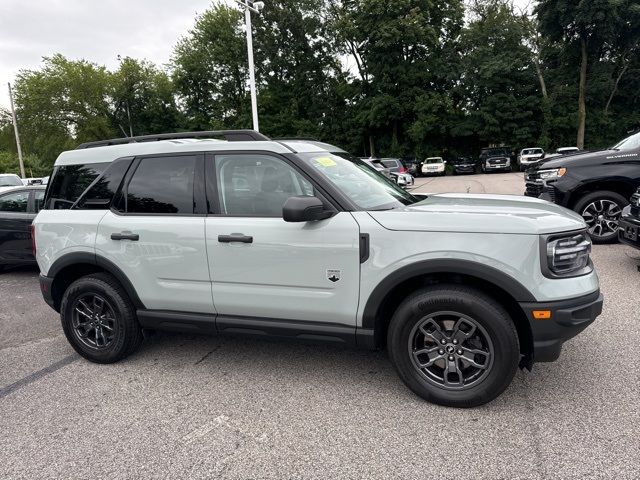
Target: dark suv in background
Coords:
[[597, 185], [629, 231]]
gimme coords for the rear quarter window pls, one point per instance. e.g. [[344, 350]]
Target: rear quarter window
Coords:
[[69, 182]]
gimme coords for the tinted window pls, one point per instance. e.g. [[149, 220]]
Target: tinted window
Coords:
[[162, 185], [105, 187], [10, 181], [390, 163], [69, 182], [14, 202], [257, 185], [38, 199]]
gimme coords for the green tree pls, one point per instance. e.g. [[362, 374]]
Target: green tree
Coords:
[[500, 83], [209, 71], [142, 98], [588, 26]]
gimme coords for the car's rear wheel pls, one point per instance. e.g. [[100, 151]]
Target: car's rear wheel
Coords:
[[99, 319], [453, 345], [601, 210]]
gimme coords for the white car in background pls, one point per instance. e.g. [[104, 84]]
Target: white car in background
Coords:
[[529, 156], [9, 180], [562, 151], [433, 166]]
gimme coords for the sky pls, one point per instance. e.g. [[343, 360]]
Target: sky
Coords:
[[95, 30]]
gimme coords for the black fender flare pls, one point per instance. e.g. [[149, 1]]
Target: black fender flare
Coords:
[[77, 258], [444, 266]]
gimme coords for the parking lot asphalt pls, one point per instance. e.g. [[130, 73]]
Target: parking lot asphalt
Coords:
[[188, 406]]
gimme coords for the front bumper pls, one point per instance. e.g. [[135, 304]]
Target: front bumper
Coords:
[[497, 167], [45, 288], [465, 169], [568, 318], [629, 231]]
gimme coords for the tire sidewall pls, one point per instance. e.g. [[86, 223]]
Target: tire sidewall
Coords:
[[494, 320], [121, 310]]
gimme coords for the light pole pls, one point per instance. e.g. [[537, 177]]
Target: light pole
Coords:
[[251, 6], [15, 129]]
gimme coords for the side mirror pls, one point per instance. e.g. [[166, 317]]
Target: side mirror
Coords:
[[304, 209]]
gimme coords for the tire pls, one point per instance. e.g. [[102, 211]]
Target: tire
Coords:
[[605, 203], [117, 333], [452, 304]]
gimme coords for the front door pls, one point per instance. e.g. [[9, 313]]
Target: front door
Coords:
[[265, 268]]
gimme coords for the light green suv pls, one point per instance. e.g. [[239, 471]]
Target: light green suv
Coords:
[[299, 239]]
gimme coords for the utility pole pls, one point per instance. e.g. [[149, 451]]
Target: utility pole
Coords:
[[15, 129], [251, 6]]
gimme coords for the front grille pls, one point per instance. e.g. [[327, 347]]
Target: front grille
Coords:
[[533, 190], [635, 204], [497, 161]]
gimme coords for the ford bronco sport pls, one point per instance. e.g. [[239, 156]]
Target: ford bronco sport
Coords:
[[191, 233]]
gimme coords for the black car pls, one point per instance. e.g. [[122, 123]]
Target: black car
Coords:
[[495, 159], [18, 208], [629, 231], [597, 185], [463, 165]]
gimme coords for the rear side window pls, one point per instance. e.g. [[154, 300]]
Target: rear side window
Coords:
[[14, 202], [69, 182], [162, 185]]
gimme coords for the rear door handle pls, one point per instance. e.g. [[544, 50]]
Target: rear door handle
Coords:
[[125, 236], [235, 237]]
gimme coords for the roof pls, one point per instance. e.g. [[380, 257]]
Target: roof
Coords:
[[111, 152]]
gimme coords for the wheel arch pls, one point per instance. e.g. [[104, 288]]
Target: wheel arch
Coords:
[[621, 187], [387, 295], [68, 268]]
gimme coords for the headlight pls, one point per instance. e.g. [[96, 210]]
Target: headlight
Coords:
[[568, 256], [552, 174]]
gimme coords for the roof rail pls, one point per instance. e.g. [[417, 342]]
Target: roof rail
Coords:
[[229, 135]]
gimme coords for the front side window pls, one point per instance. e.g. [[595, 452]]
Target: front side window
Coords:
[[366, 188], [162, 185], [69, 182], [16, 202], [256, 185]]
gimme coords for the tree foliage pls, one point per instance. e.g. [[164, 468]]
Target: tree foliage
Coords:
[[385, 77]]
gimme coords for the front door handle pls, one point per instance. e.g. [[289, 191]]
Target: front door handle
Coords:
[[235, 237], [134, 237]]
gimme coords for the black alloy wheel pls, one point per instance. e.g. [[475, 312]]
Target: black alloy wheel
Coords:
[[451, 350], [601, 212]]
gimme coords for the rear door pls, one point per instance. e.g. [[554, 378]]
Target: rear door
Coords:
[[275, 270], [155, 233], [15, 223]]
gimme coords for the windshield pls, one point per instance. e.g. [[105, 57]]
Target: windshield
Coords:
[[434, 160], [495, 151], [365, 187], [629, 143], [532, 151], [10, 181]]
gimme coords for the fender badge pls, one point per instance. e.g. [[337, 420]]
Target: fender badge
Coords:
[[333, 275]]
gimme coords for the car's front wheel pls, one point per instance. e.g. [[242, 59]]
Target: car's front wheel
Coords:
[[99, 320], [601, 210], [453, 345]]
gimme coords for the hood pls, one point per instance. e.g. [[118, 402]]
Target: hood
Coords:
[[473, 213], [575, 158]]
